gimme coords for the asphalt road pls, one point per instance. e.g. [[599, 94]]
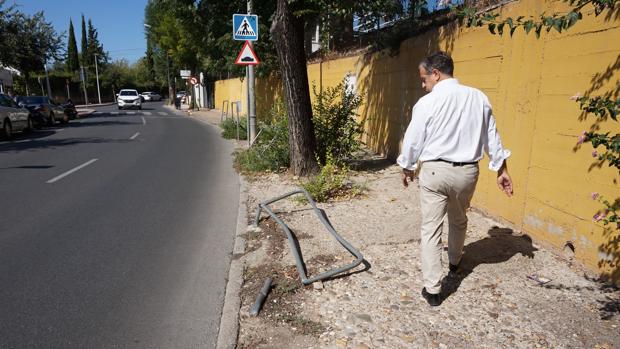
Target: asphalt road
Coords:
[[116, 232]]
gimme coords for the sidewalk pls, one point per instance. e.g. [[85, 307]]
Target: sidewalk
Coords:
[[492, 303]]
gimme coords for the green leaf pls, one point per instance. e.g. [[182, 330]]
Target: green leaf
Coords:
[[557, 24], [500, 28], [492, 28], [538, 29], [528, 26]]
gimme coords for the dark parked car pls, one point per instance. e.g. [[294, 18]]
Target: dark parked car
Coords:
[[12, 117], [43, 110]]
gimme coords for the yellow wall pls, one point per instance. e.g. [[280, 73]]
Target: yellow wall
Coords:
[[529, 82]]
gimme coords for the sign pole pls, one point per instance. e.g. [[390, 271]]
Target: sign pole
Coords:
[[252, 99]]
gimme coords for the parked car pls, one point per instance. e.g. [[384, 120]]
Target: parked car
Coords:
[[13, 118], [128, 98], [43, 110], [151, 96], [181, 94]]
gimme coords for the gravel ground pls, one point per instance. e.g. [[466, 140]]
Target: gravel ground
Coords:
[[491, 303]]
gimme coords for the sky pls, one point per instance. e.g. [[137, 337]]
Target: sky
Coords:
[[120, 24]]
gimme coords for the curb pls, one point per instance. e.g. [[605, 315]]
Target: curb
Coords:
[[229, 322], [94, 105], [85, 112]]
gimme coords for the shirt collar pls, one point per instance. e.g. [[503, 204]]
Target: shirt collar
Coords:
[[445, 83]]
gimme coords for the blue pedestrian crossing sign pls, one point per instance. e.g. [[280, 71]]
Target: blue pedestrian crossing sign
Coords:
[[245, 27]]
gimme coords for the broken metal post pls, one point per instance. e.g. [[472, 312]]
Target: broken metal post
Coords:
[[261, 297]]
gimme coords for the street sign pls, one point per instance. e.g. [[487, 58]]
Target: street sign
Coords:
[[247, 56], [185, 73], [245, 27], [193, 80]]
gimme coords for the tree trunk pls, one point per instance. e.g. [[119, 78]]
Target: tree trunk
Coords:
[[288, 36]]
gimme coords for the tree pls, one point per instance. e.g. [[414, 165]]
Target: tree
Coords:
[[73, 60], [94, 49], [288, 35], [84, 47]]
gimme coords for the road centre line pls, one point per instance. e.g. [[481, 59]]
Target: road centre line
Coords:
[[134, 136], [143, 121], [59, 177]]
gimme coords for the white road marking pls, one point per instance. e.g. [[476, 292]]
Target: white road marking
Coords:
[[143, 121], [162, 113], [131, 112], [134, 136], [23, 141], [60, 129], [59, 177], [146, 113]]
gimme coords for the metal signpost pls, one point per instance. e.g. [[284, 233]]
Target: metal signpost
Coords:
[[245, 28]]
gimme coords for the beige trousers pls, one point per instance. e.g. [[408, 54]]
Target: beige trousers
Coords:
[[444, 188]]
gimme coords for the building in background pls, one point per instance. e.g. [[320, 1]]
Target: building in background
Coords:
[[6, 78]]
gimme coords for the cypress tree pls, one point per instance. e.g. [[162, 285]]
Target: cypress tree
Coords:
[[84, 45], [73, 60]]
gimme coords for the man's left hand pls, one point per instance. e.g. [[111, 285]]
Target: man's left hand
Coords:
[[407, 174]]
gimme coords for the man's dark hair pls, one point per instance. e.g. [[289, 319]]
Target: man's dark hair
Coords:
[[440, 61]]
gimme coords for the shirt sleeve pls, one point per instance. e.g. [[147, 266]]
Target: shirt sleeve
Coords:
[[492, 142], [413, 141]]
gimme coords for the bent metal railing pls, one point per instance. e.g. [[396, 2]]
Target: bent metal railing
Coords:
[[264, 206]]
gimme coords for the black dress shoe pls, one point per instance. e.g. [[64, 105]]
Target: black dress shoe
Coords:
[[432, 299]]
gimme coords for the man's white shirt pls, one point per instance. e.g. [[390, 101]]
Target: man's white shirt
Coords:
[[454, 123]]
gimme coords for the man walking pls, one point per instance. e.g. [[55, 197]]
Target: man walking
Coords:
[[449, 129]]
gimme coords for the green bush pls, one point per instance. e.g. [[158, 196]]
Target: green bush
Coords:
[[229, 128], [270, 150], [331, 182], [335, 123]]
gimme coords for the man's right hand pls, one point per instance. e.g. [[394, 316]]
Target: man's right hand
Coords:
[[407, 175], [504, 182]]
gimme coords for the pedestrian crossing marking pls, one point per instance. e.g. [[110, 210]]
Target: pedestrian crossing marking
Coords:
[[245, 28]]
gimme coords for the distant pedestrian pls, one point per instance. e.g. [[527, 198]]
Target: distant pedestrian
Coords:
[[449, 129], [177, 102]]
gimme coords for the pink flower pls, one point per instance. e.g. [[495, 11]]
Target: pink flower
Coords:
[[594, 195], [598, 216], [582, 137], [576, 96], [594, 153]]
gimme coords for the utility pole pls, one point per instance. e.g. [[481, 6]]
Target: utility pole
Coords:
[[251, 97], [97, 72], [171, 94], [47, 80]]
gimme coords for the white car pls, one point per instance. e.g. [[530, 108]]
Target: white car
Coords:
[[127, 98], [151, 96], [13, 118]]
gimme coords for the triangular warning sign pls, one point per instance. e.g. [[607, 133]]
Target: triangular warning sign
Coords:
[[247, 55], [245, 28]]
